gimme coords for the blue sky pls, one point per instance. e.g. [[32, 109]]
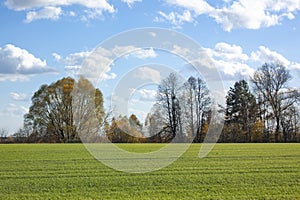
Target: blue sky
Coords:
[[42, 41]]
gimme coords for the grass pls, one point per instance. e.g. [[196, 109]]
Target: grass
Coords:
[[231, 171]]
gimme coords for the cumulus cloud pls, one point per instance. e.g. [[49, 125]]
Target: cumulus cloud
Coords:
[[229, 52], [72, 70], [29, 4], [175, 18], [295, 66], [233, 63], [147, 95], [233, 70], [178, 50], [131, 2], [264, 54], [72, 62], [91, 59], [197, 6], [119, 51], [49, 9], [108, 76], [145, 53], [48, 12], [17, 64], [147, 73], [126, 51], [245, 14], [230, 60], [241, 13], [153, 34], [13, 110], [76, 58], [18, 96], [13, 77]]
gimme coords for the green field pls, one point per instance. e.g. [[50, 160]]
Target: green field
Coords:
[[231, 171]]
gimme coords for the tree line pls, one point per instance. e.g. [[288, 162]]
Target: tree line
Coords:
[[269, 114], [264, 110]]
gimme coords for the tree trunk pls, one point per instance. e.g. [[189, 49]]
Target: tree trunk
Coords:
[[277, 129]]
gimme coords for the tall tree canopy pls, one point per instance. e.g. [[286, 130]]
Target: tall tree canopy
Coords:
[[50, 116], [197, 106], [168, 99], [240, 109], [185, 106], [271, 83]]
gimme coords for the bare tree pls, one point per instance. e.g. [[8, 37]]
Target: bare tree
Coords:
[[3, 134], [154, 121], [289, 120], [197, 102], [270, 81], [168, 99], [190, 104]]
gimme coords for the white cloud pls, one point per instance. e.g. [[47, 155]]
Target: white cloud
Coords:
[[234, 69], [241, 13], [13, 110], [18, 96], [72, 70], [153, 34], [245, 14], [13, 77], [131, 2], [145, 53], [229, 52], [264, 54], [96, 64], [72, 62], [76, 58], [39, 9], [147, 73], [107, 76], [232, 62], [228, 59], [287, 5], [29, 4], [16, 63], [197, 6], [175, 18], [147, 95], [56, 56], [72, 14], [91, 59], [120, 51], [48, 12], [178, 50], [295, 66]]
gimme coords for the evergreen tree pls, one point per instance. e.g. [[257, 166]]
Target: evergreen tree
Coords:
[[240, 111]]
